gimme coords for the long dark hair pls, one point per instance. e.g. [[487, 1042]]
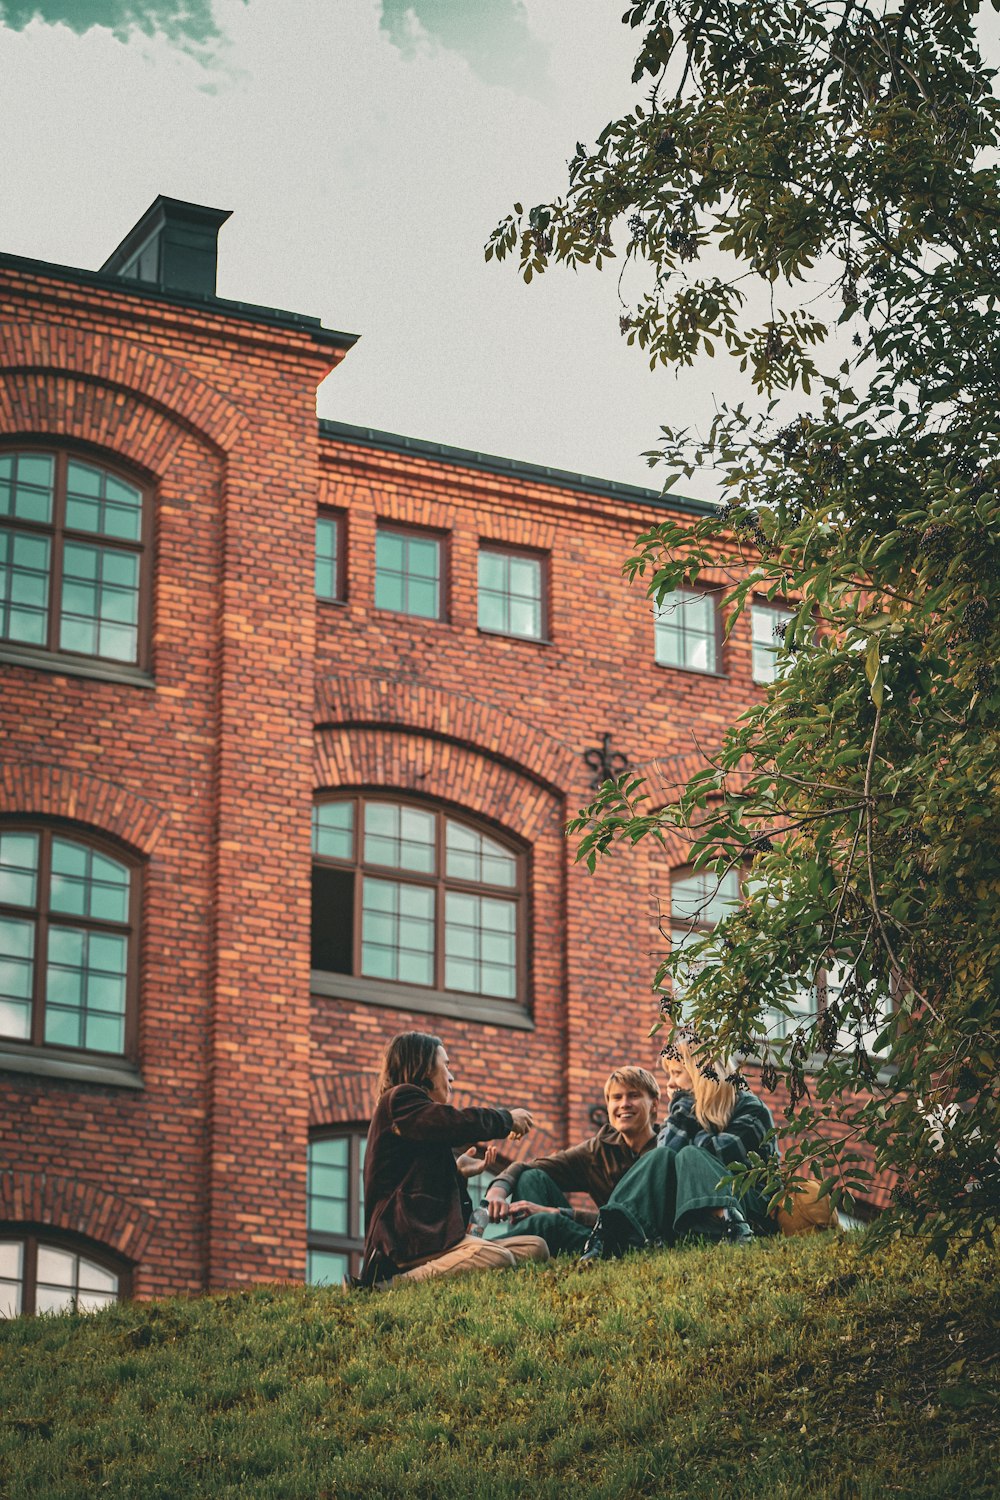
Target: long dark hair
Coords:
[[409, 1058]]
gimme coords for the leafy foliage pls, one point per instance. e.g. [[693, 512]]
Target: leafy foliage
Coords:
[[856, 143], [796, 1367]]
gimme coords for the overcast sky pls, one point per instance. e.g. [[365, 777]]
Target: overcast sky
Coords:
[[366, 148]]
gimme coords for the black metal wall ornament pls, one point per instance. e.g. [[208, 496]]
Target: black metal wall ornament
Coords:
[[598, 1116], [607, 764]]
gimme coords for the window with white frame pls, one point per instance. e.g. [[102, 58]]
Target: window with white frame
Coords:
[[687, 631], [37, 1276], [767, 625], [511, 592]]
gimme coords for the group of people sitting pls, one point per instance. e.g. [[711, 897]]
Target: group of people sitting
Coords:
[[650, 1183]]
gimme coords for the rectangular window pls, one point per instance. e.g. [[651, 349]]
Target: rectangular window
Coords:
[[100, 602], [687, 631], [330, 579], [767, 622], [408, 573], [24, 587], [480, 945], [397, 931], [511, 598], [335, 1207]]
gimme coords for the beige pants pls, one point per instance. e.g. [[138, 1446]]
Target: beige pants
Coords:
[[472, 1254]]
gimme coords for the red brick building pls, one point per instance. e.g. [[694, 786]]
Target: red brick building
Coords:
[[222, 622]]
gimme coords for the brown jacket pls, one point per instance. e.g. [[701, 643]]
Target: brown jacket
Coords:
[[415, 1201], [595, 1166]]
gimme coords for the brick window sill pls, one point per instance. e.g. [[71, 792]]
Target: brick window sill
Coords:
[[426, 1001], [75, 666], [69, 1066]]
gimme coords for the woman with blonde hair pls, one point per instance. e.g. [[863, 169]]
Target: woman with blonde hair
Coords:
[[416, 1206], [712, 1108]]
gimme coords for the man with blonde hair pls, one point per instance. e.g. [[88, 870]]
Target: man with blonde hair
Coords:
[[532, 1195]]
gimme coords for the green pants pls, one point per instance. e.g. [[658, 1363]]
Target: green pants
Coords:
[[656, 1200]]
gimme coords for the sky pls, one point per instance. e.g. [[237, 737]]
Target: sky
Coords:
[[366, 149]]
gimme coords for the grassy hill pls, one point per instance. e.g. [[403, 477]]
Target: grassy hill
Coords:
[[793, 1368]]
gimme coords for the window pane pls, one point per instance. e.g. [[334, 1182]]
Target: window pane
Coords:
[[510, 593], [100, 602], [325, 1267], [11, 1274], [52, 1299], [422, 599], [493, 613], [402, 837], [56, 1267], [85, 990], [702, 898], [327, 549], [767, 628], [685, 631], [470, 855], [98, 502], [85, 883], [480, 947], [17, 952], [24, 587], [408, 573], [493, 571], [18, 868], [399, 943], [333, 830]]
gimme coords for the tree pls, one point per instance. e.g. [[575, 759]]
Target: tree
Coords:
[[858, 142]]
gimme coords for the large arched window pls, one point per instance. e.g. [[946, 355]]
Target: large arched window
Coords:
[[39, 1275], [74, 549], [67, 942], [416, 905]]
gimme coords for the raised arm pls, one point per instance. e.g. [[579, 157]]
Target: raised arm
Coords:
[[416, 1117]]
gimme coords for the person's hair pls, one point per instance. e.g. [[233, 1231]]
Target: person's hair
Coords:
[[714, 1096], [409, 1058], [633, 1078]]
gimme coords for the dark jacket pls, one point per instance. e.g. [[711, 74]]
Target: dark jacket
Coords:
[[415, 1202], [750, 1125], [595, 1166]]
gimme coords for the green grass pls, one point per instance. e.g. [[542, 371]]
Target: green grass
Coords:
[[793, 1368]]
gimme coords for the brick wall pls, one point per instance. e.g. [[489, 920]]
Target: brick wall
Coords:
[[259, 700]]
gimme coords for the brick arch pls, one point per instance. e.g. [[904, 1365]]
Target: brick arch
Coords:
[[366, 701], [75, 1207], [53, 791], [122, 366], [341, 1098], [442, 771]]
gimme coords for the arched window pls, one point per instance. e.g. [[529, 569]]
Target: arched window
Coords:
[[74, 547], [409, 897], [67, 942], [39, 1274], [336, 1205]]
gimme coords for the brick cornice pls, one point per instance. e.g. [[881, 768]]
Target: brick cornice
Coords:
[[386, 703], [47, 1200], [125, 366], [53, 791]]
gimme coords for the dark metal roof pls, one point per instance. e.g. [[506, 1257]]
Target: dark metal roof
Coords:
[[221, 306], [394, 442]]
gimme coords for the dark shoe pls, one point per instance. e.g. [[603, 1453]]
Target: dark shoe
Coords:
[[729, 1229], [593, 1251], [612, 1237]]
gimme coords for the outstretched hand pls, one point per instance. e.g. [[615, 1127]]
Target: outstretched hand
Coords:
[[470, 1164], [521, 1121]]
